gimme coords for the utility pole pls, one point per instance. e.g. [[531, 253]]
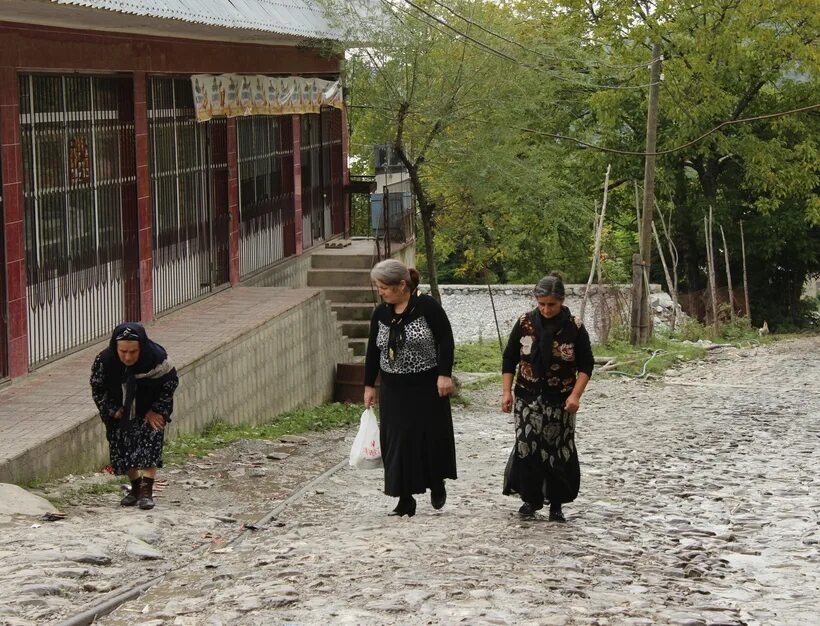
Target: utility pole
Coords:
[[641, 328]]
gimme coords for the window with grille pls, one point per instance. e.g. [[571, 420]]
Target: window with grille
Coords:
[[313, 218], [266, 199], [189, 195], [79, 190]]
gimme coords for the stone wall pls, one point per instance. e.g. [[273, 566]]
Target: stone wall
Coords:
[[470, 309]]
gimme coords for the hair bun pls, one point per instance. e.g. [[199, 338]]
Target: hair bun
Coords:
[[415, 277]]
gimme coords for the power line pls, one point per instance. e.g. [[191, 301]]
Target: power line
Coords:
[[713, 130], [523, 47], [676, 148], [494, 51]]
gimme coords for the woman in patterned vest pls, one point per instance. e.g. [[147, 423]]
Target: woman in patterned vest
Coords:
[[550, 357]]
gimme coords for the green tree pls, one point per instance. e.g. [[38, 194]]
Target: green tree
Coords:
[[724, 61], [420, 87]]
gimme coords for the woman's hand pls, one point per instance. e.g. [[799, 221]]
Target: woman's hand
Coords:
[[572, 403], [369, 396], [155, 420], [119, 413], [445, 386], [506, 391], [506, 401]]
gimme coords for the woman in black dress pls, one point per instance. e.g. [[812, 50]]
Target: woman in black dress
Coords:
[[550, 357], [411, 347], [133, 384]]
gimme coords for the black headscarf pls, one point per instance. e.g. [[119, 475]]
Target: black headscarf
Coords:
[[545, 329], [152, 364]]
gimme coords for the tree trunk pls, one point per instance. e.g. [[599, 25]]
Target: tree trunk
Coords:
[[745, 278], [596, 255], [673, 292], [426, 210], [710, 261], [728, 275], [427, 228]]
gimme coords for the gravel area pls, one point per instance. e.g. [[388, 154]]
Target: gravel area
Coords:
[[698, 506]]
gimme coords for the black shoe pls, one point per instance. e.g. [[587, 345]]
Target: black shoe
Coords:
[[146, 500], [438, 496], [528, 509], [557, 516], [406, 506], [131, 497]]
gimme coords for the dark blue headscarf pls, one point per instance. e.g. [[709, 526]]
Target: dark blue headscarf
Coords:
[[152, 364]]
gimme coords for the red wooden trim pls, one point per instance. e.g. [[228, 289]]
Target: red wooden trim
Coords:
[[144, 216], [297, 181], [14, 229], [233, 201], [33, 47]]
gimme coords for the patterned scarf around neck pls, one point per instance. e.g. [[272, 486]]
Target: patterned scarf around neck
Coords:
[[545, 330], [397, 336]]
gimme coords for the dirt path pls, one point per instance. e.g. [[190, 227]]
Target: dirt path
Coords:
[[698, 505]]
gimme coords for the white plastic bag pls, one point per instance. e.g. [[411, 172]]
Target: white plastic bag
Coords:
[[366, 452]]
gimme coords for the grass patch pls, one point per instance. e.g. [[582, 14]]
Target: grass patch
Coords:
[[220, 434], [631, 359], [482, 356], [739, 333]]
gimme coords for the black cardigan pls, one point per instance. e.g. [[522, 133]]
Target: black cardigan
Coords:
[[424, 306]]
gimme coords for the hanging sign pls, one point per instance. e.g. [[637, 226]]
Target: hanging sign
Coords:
[[235, 95]]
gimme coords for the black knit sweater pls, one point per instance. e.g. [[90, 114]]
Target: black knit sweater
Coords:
[[428, 347]]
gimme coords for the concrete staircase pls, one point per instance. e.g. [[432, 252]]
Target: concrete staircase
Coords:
[[345, 279]]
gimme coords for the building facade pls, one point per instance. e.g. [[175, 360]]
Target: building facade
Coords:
[[117, 202]]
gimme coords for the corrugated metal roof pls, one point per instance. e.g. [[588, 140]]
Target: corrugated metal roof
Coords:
[[301, 18]]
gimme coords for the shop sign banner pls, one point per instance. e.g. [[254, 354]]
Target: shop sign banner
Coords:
[[235, 95]]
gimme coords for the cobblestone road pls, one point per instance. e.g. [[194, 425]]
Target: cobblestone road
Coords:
[[699, 505]]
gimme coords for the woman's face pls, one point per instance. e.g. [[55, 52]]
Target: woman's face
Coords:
[[549, 306], [128, 351], [392, 294]]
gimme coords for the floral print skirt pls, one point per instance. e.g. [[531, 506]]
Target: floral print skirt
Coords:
[[543, 465], [139, 447]]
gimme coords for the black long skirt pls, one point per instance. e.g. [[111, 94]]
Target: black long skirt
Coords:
[[543, 465], [416, 430]]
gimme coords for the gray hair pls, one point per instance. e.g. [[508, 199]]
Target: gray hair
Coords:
[[550, 285], [391, 272]]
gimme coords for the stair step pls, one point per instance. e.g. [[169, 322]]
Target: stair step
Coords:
[[349, 294], [342, 261], [359, 346], [349, 311], [356, 329], [338, 278]]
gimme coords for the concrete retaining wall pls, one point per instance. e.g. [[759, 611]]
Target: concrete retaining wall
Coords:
[[285, 363]]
